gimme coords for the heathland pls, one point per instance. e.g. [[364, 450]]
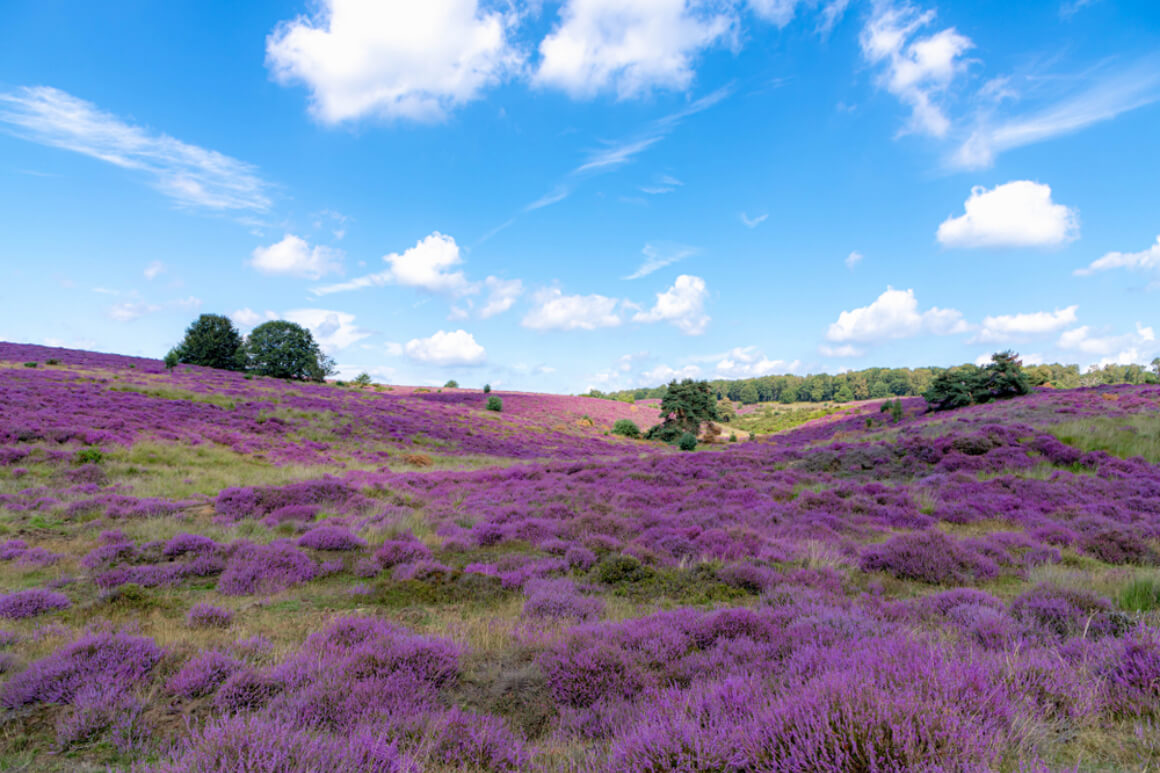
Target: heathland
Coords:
[[205, 570]]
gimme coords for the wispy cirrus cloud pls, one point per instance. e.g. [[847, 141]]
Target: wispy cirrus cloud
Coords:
[[191, 176], [657, 256]]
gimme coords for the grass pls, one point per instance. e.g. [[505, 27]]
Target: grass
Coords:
[[1125, 436], [173, 393]]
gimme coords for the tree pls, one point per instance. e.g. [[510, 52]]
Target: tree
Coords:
[[844, 394], [684, 408], [363, 379], [286, 350], [970, 384], [626, 427], [452, 384], [487, 389], [748, 393], [213, 341], [495, 404], [1156, 366]]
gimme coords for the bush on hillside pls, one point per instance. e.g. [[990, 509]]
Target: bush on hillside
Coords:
[[687, 442], [487, 389], [494, 404], [211, 340], [970, 385], [452, 384], [284, 349], [626, 427]]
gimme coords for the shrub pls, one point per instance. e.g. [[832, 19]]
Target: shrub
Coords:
[[452, 384], [558, 600], [98, 708], [89, 456], [687, 442], [31, 364], [495, 404], [928, 556], [1062, 613], [487, 389], [172, 360], [265, 569], [363, 379], [626, 427], [210, 340], [203, 674], [52, 361], [100, 658], [32, 602], [330, 538], [401, 551], [580, 557], [287, 350], [202, 615], [246, 690]]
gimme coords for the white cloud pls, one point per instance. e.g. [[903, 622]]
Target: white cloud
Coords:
[[894, 314], [1008, 327], [446, 348], [294, 257], [782, 12], [748, 362], [631, 48], [154, 270], [1081, 339], [502, 295], [426, 265], [845, 350], [753, 222], [657, 256], [556, 311], [247, 317], [394, 348], [1111, 95], [413, 60], [664, 184], [1145, 260], [191, 176], [917, 70], [662, 374], [683, 305], [333, 330], [1016, 214], [853, 259], [130, 310]]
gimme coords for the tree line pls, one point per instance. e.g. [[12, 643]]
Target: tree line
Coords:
[[872, 383]]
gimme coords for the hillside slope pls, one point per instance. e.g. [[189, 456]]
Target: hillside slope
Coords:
[[201, 570]]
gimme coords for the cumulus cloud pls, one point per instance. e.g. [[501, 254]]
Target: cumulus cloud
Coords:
[[333, 330], [682, 305], [414, 60], [662, 374], [1082, 339], [1145, 260], [130, 310], [247, 317], [845, 350], [1009, 327], [917, 70], [853, 259], [457, 347], [748, 362], [1015, 214], [629, 48], [894, 314], [189, 175], [555, 311], [294, 257], [428, 265]]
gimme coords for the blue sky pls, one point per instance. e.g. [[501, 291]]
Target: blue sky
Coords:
[[557, 196]]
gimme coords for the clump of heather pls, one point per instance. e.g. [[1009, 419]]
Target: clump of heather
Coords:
[[928, 556], [264, 569], [202, 615], [98, 709], [32, 602], [1057, 613], [189, 543], [97, 658], [580, 557], [401, 550], [203, 674], [423, 571], [330, 538], [560, 600]]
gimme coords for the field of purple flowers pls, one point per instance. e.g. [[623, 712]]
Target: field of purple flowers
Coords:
[[203, 572]]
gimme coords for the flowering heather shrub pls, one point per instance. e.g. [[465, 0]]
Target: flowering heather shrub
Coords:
[[461, 741], [1132, 674], [423, 571], [579, 557], [402, 550], [246, 689], [1061, 613], [189, 543], [560, 600], [99, 708], [1118, 545], [367, 567], [264, 569], [330, 538], [929, 556], [252, 744], [203, 674], [32, 602], [291, 513], [12, 549], [202, 615], [99, 658], [38, 557]]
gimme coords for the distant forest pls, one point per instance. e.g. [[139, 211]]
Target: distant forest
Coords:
[[884, 382]]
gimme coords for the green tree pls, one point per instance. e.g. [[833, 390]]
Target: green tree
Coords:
[[748, 393], [495, 404], [452, 384], [363, 379], [213, 341], [487, 389], [1156, 366], [844, 394], [687, 442], [626, 427], [284, 349], [970, 384], [684, 408]]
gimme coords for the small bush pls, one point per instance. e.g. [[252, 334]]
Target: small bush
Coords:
[[31, 364], [52, 362], [487, 389], [203, 674], [32, 602], [495, 404], [363, 379], [626, 427], [452, 384], [687, 442], [89, 456], [208, 616]]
